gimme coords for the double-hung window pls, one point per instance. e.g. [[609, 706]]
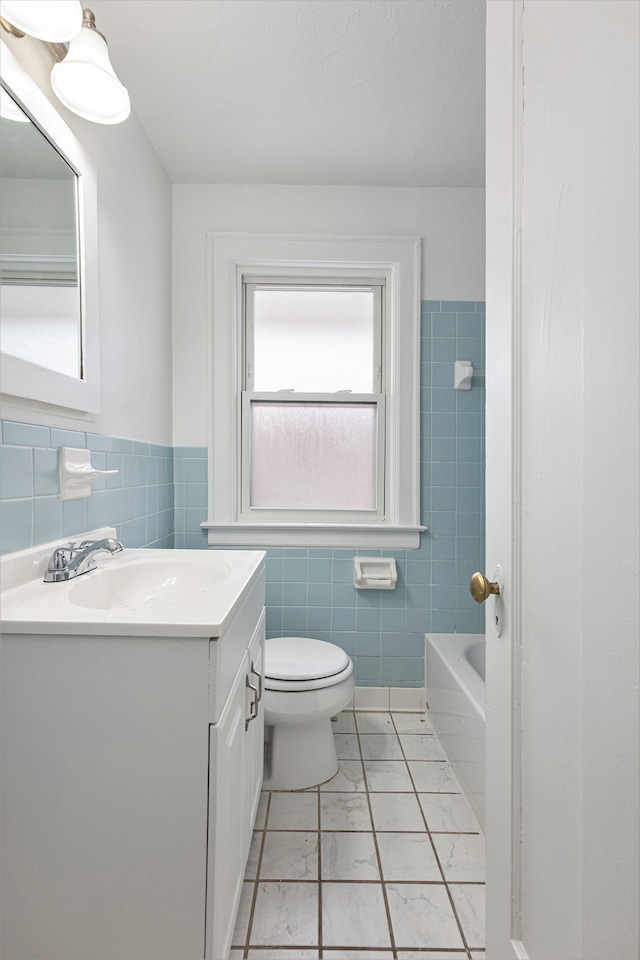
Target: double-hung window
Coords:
[[313, 409], [314, 436]]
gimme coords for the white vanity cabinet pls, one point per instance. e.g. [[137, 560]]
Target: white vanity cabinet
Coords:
[[131, 772], [236, 756]]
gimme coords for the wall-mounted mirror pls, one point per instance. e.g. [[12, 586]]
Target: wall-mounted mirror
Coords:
[[48, 263], [40, 298]]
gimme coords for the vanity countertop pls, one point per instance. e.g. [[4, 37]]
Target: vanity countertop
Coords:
[[137, 592]]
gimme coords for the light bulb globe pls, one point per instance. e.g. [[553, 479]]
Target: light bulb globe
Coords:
[[86, 83], [56, 21]]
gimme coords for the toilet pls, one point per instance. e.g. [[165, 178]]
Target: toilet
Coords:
[[306, 682]]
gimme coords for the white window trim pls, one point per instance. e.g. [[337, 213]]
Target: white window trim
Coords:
[[234, 256]]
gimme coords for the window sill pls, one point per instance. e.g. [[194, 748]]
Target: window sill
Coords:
[[337, 536]]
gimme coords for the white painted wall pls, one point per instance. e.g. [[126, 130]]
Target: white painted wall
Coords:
[[134, 227], [450, 222]]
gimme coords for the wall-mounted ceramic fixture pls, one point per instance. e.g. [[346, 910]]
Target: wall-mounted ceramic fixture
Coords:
[[76, 473], [374, 573], [462, 374]]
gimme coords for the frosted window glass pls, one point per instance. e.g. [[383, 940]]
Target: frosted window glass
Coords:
[[313, 341], [313, 455]]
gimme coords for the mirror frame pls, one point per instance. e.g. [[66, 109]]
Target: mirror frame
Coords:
[[19, 378]]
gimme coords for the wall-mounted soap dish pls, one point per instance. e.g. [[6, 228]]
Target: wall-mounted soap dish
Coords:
[[374, 573], [462, 374], [76, 473]]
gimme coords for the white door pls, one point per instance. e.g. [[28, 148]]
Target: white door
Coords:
[[562, 479]]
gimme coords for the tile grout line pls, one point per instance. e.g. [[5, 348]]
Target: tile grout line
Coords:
[[319, 809], [433, 846], [375, 843], [256, 880]]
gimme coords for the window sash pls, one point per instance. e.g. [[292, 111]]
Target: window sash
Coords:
[[376, 285], [314, 515]]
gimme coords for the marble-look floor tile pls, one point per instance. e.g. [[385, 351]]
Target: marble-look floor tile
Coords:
[[437, 955], [355, 866], [421, 747], [407, 856], [348, 856], [286, 914], [461, 856], [244, 914], [289, 856], [380, 746], [421, 914], [412, 723], [354, 916], [346, 746], [345, 722], [374, 723], [344, 811], [448, 813], [469, 900], [350, 776], [293, 811], [386, 776], [434, 776], [283, 955], [359, 955], [396, 811]]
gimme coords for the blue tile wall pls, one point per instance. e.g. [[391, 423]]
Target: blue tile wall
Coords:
[[159, 498], [138, 501], [310, 592], [190, 483]]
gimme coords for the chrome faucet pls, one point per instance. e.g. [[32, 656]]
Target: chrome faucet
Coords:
[[75, 559]]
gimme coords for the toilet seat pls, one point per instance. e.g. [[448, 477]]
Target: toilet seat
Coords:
[[299, 686], [296, 664]]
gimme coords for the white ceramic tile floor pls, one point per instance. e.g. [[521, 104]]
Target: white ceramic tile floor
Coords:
[[383, 862]]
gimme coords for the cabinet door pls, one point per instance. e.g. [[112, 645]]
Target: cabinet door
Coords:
[[235, 781], [227, 830]]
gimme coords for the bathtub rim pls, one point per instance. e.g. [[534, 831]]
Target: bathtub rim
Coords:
[[449, 645]]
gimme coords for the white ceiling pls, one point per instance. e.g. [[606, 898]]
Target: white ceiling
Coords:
[[364, 92]]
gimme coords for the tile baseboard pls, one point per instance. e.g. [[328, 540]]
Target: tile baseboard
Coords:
[[385, 699]]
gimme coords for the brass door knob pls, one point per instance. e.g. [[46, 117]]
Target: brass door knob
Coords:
[[481, 588]]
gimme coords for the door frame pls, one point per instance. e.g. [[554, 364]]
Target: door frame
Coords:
[[504, 480]]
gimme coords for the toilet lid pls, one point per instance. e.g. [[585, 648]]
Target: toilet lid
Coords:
[[301, 658]]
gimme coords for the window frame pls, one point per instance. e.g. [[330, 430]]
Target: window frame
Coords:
[[344, 398], [235, 259]]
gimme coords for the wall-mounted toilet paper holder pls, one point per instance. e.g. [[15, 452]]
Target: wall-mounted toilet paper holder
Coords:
[[374, 573]]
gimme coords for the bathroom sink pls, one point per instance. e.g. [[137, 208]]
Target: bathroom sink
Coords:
[[146, 582], [134, 592]]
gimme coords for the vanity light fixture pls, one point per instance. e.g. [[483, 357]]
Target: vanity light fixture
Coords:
[[83, 78]]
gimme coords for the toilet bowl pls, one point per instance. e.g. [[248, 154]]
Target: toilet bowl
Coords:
[[306, 682]]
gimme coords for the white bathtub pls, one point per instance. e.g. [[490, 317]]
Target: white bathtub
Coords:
[[456, 703]]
